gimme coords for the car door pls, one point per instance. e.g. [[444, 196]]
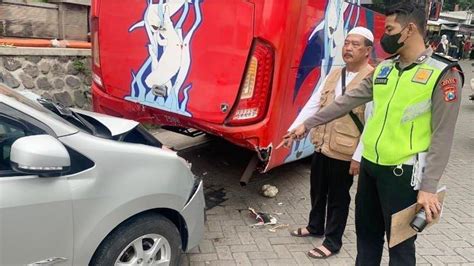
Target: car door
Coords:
[[36, 223]]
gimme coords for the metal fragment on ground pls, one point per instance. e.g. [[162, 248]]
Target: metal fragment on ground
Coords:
[[273, 229], [262, 218]]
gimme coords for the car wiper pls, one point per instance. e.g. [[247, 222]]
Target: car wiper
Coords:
[[68, 114]]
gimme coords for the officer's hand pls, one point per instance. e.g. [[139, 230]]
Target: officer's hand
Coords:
[[430, 203], [354, 168], [287, 141], [300, 131]]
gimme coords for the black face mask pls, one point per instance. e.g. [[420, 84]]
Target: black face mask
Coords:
[[390, 42]]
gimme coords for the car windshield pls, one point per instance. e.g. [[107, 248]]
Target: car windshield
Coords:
[[49, 108]]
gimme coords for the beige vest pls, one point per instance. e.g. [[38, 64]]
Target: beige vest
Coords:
[[339, 138]]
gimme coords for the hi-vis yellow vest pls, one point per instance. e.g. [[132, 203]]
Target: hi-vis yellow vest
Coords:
[[400, 126]]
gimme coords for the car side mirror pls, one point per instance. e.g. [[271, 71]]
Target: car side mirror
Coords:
[[41, 155]]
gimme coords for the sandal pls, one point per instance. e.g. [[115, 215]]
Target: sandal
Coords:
[[320, 252], [299, 233]]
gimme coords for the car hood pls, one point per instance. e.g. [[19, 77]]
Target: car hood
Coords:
[[115, 125]]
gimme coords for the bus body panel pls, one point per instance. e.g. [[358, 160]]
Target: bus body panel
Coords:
[[203, 79]]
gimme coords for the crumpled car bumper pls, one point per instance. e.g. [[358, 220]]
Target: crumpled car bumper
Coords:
[[193, 214]]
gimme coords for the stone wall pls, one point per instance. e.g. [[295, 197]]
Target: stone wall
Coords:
[[64, 77]]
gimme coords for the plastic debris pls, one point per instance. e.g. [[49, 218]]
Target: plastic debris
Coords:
[[262, 218], [273, 229], [269, 191], [280, 203]]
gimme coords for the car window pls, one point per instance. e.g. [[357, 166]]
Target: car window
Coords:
[[10, 130], [14, 125]]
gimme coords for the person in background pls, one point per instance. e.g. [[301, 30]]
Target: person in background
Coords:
[[453, 47], [443, 45], [467, 47], [460, 50]]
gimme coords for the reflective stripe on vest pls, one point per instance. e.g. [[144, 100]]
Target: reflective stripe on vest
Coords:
[[400, 126]]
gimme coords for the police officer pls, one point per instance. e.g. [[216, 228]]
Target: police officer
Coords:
[[416, 98]]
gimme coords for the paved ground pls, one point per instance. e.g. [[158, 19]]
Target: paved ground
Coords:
[[229, 239]]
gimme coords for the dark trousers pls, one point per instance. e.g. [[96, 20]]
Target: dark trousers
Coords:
[[330, 184], [380, 194]]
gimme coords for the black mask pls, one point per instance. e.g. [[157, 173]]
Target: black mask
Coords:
[[390, 42]]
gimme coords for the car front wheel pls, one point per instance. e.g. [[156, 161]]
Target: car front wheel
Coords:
[[145, 240]]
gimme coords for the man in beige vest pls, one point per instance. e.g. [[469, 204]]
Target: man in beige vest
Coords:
[[333, 167]]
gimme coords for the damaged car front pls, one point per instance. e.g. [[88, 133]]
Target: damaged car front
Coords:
[[94, 189]]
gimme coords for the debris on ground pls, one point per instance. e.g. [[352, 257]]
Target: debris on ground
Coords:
[[262, 218], [280, 203], [273, 229], [269, 191]]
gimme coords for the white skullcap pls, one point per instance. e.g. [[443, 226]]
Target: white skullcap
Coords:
[[363, 32]]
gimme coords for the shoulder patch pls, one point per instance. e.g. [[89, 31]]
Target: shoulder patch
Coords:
[[450, 89]]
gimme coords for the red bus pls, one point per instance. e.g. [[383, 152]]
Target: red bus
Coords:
[[238, 69]]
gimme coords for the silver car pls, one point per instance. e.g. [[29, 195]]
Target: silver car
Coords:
[[79, 188]]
